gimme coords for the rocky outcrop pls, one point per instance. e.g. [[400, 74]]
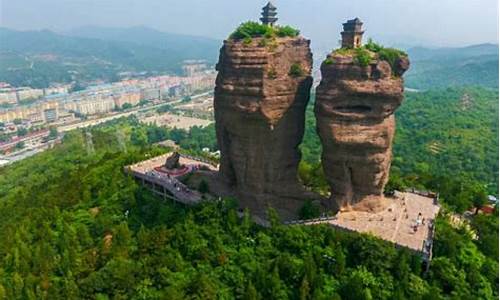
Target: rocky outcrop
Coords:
[[355, 120], [172, 161], [261, 93]]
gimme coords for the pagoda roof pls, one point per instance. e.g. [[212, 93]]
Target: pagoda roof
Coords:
[[269, 14], [269, 6], [354, 21]]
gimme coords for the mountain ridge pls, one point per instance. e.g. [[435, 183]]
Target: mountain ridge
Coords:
[[462, 66], [93, 58]]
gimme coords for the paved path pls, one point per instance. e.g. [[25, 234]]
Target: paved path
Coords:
[[175, 187], [384, 225], [398, 224]]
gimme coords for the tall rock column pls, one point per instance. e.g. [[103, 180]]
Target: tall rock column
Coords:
[[354, 109], [261, 93]]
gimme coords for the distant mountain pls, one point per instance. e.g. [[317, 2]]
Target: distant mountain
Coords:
[[443, 67], [191, 46], [421, 53], [37, 58]]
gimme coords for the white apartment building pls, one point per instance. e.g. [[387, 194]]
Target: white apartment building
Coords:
[[8, 97], [93, 106]]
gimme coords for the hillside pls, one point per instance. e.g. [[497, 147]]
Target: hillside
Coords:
[[74, 226], [37, 58], [190, 46], [449, 132], [444, 67]]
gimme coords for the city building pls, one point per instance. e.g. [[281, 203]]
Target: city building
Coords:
[[133, 98], [95, 105], [175, 91], [194, 67], [8, 96], [55, 90], [26, 94], [150, 94], [34, 113], [50, 115], [101, 98]]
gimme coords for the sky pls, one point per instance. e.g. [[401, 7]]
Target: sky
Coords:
[[394, 22]]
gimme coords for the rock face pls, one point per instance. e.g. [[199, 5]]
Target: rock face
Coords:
[[355, 121], [261, 93], [172, 161]]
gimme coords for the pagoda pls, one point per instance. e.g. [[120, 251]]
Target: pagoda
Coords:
[[269, 14], [352, 34]]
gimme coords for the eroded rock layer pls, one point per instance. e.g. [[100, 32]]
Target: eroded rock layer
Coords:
[[355, 121], [261, 93]]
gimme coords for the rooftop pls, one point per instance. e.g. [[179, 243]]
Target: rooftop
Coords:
[[353, 25], [354, 21], [269, 6]]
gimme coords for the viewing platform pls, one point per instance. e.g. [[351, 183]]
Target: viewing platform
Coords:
[[407, 222], [152, 173]]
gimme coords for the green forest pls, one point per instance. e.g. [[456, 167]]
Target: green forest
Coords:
[[75, 226]]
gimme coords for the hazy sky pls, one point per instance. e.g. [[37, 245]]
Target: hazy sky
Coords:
[[426, 22]]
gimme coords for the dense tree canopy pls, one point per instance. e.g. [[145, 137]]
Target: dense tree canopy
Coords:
[[74, 225]]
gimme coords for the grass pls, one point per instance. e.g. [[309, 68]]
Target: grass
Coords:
[[362, 56], [252, 29], [390, 55], [371, 50]]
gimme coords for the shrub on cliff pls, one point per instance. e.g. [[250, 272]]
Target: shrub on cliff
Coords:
[[364, 54], [362, 57], [329, 61], [284, 31], [296, 70], [391, 55], [252, 29]]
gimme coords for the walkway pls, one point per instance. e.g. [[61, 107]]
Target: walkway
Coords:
[[161, 182]]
